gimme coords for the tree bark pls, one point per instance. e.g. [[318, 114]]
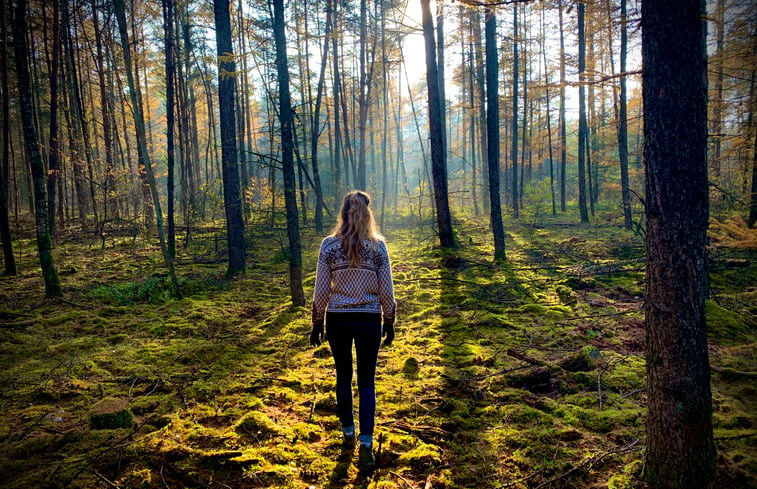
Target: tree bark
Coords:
[[582, 127], [31, 143], [438, 163], [549, 121], [563, 131], [514, 146], [226, 96], [53, 156], [680, 451], [5, 232], [481, 81], [492, 129], [623, 120], [315, 129], [287, 144], [170, 65]]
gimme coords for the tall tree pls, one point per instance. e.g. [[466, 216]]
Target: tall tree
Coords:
[[5, 232], [478, 51], [54, 151], [31, 143], [492, 129], [226, 95], [549, 120], [440, 68], [170, 64], [287, 157], [315, 125], [680, 452], [582, 126], [438, 163], [563, 122], [139, 124], [78, 137], [623, 119], [363, 99], [514, 147]]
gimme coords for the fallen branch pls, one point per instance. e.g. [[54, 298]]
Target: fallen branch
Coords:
[[736, 437], [18, 324], [405, 481], [730, 371], [521, 356]]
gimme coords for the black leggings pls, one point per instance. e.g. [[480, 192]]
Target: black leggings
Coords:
[[365, 329]]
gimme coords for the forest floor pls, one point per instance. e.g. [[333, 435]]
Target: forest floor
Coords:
[[528, 374]]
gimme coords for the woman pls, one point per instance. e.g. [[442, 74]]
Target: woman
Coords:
[[354, 283]]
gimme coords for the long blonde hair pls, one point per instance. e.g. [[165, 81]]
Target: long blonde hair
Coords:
[[356, 225]]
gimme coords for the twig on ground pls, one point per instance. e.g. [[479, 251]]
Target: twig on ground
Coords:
[[106, 480], [60, 299], [524, 479], [736, 437], [163, 478], [405, 481]]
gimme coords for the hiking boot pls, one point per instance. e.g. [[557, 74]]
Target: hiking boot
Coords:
[[348, 442], [366, 459]]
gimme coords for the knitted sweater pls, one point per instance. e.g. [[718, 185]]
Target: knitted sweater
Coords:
[[364, 287]]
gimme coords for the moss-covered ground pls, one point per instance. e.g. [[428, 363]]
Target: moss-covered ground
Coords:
[[525, 374]]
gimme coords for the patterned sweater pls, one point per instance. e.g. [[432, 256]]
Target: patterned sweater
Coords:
[[342, 287]]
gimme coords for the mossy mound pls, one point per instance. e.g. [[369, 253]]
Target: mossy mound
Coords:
[[110, 413], [726, 325]]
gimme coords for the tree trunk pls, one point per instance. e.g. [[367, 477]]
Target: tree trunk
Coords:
[[106, 117], [438, 163], [139, 125], [717, 106], [623, 122], [582, 129], [337, 126], [481, 82], [440, 69], [226, 96], [170, 64], [315, 129], [53, 166], [287, 146], [31, 143], [492, 129], [514, 147], [549, 121], [5, 232], [360, 181], [563, 132], [680, 451]]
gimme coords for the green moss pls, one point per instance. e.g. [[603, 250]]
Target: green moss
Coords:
[[257, 425], [726, 325], [423, 456]]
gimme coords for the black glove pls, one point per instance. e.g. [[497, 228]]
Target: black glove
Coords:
[[388, 333], [316, 335]]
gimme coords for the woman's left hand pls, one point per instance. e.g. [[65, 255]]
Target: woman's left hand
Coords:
[[316, 335]]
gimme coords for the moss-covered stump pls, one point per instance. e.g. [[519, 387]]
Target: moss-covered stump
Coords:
[[110, 413]]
